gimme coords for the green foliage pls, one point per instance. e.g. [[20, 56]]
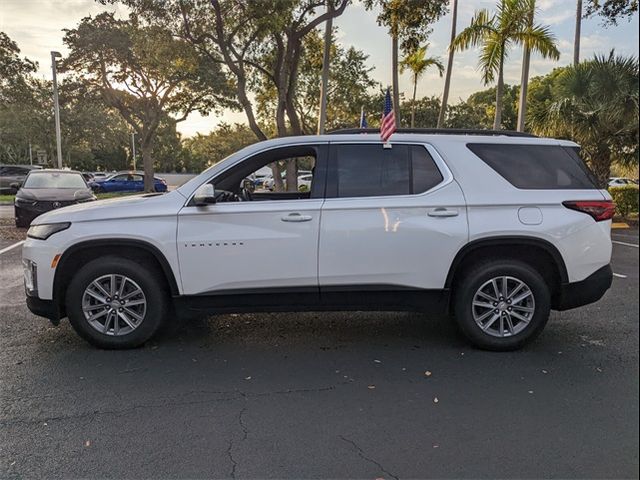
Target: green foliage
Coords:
[[426, 112], [611, 10], [90, 130], [144, 72], [485, 99], [408, 20], [626, 199], [349, 85], [595, 104], [496, 33], [203, 151]]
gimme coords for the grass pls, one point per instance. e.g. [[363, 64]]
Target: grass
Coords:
[[102, 196], [6, 198]]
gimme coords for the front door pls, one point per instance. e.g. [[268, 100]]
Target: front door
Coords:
[[393, 219], [255, 241]]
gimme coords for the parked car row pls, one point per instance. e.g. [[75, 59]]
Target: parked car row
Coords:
[[125, 182], [41, 190]]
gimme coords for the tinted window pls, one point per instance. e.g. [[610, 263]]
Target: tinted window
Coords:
[[371, 170], [14, 171], [54, 180], [536, 166]]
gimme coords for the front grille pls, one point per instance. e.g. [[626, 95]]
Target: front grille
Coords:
[[49, 205]]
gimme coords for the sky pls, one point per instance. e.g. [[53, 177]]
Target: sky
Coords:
[[36, 25]]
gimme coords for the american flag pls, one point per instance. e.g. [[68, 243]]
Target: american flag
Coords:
[[388, 122]]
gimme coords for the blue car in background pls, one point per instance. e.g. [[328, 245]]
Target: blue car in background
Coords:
[[125, 182]]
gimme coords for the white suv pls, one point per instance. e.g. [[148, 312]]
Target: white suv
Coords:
[[497, 228]]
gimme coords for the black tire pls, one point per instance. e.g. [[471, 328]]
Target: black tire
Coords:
[[472, 279], [150, 282]]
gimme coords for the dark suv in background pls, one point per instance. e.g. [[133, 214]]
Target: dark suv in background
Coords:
[[12, 174]]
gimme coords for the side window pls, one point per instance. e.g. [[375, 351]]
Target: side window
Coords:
[[543, 167], [294, 175], [287, 173], [120, 178], [371, 170]]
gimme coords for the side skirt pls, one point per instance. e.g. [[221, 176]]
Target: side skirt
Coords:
[[350, 298]]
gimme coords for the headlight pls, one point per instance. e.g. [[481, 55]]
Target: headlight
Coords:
[[24, 201], [44, 231]]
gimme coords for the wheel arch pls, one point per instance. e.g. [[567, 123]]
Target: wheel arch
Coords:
[[524, 248], [128, 248]]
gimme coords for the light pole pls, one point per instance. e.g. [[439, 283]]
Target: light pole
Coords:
[[133, 149], [56, 106]]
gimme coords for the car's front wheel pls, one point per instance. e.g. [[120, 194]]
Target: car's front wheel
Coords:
[[116, 303], [502, 305]]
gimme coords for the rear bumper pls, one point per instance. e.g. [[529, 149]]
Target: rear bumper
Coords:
[[587, 291]]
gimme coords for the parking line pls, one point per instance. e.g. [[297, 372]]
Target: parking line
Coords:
[[619, 275], [11, 247], [612, 241]]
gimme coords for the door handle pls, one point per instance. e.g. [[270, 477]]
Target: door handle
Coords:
[[296, 217], [443, 212]]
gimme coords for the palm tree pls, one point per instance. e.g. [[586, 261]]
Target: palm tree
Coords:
[[495, 34], [576, 37], [418, 63], [596, 105], [447, 79]]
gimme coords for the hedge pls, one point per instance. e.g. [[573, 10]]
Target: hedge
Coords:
[[626, 198]]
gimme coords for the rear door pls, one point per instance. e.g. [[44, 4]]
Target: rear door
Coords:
[[393, 218]]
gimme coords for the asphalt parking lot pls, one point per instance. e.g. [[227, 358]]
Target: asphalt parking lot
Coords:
[[317, 395]]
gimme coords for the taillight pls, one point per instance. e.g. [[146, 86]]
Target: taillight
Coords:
[[599, 209]]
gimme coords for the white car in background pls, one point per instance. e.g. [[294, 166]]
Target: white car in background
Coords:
[[496, 228], [621, 181]]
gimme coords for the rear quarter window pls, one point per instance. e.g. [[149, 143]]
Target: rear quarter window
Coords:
[[536, 167]]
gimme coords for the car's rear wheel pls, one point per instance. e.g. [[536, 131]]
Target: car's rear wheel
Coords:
[[116, 303], [501, 305]]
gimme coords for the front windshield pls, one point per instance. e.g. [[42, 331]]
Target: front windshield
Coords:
[[54, 180]]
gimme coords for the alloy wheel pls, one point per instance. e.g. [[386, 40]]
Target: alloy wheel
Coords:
[[503, 306], [114, 304]]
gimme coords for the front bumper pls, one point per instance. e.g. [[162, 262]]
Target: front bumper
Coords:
[[25, 215], [587, 291], [44, 308]]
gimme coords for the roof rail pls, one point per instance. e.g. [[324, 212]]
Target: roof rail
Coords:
[[436, 131]]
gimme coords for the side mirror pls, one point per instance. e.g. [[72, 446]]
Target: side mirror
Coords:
[[205, 195], [15, 186]]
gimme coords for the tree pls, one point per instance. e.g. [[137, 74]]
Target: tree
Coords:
[[409, 23], [541, 43], [612, 10], [485, 100], [495, 34], [347, 87], [576, 36], [13, 69], [144, 73], [418, 63], [425, 112], [206, 150], [596, 105], [447, 80], [256, 41], [326, 63]]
